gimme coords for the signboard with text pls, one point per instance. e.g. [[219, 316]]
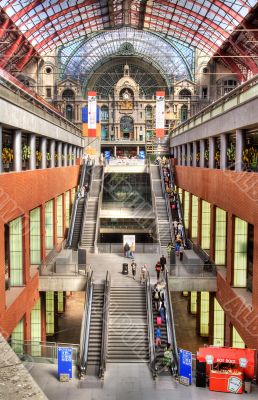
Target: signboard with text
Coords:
[[65, 361], [185, 366]]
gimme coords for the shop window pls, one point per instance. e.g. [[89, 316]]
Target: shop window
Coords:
[[35, 236], [240, 253], [193, 307], [60, 302], [206, 224], [16, 252], [60, 217], [50, 316], [194, 217], [218, 325], [220, 236], [17, 337], [237, 341], [49, 226], [35, 324], [186, 209], [204, 314], [67, 209]]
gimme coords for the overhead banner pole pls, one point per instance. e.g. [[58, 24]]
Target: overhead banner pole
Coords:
[[160, 114]]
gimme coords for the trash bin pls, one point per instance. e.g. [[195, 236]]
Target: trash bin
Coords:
[[125, 269], [247, 386]]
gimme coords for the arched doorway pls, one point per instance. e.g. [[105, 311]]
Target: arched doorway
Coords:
[[69, 112], [126, 126]]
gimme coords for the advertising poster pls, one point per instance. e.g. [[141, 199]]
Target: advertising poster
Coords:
[[130, 240]]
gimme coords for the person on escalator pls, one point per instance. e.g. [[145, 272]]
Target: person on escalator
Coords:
[[158, 337], [158, 269], [162, 312]]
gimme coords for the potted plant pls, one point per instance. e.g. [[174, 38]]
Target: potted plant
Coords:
[[231, 155], [206, 155], [48, 156], [217, 158], [198, 157], [250, 158], [26, 153], [38, 157], [7, 156]]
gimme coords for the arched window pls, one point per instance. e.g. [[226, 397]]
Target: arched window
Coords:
[[126, 126], [184, 94], [104, 113], [184, 113], [69, 112], [68, 94], [148, 112]]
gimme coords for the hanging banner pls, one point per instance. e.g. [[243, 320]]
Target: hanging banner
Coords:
[[92, 114], [160, 114]]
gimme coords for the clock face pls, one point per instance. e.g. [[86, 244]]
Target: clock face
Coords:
[[126, 95]]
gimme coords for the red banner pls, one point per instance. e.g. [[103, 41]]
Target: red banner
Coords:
[[160, 114]]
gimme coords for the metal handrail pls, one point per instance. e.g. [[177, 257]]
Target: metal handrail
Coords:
[[86, 202], [105, 321], [99, 210], [171, 333], [85, 329], [150, 324], [154, 204]]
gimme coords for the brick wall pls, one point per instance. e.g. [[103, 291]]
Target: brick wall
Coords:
[[20, 193]]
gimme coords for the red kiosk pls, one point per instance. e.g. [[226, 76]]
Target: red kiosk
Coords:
[[227, 367]]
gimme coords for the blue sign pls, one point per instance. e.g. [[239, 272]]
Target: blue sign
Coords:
[[107, 155], [185, 365], [142, 154], [65, 361]]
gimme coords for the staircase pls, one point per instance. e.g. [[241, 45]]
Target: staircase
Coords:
[[128, 327], [161, 209], [89, 227], [77, 224], [95, 334]]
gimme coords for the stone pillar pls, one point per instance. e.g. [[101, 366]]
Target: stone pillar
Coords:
[[137, 150], [194, 153], [52, 153], [114, 151], [59, 153], [65, 154], [179, 155], [223, 151], [202, 150], [43, 150], [183, 155], [188, 154], [78, 155], [212, 152], [239, 150], [17, 150], [32, 144], [70, 154], [174, 151], [1, 148], [74, 155]]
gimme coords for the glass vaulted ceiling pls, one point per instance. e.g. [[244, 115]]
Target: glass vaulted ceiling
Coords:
[[172, 58], [205, 24]]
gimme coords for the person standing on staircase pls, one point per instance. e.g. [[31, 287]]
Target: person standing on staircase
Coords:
[[143, 274], [134, 266]]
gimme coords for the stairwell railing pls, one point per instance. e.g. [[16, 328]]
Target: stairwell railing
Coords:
[[98, 212], [85, 328], [105, 322], [92, 162], [171, 332], [150, 325]]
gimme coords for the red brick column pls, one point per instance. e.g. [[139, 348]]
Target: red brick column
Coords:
[[27, 326]]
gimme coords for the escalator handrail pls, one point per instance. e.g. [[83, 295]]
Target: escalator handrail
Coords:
[[85, 330], [154, 204], [170, 322], [150, 324], [105, 322], [86, 201], [99, 209], [75, 204]]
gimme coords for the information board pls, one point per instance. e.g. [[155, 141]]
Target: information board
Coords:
[[65, 361], [185, 365]]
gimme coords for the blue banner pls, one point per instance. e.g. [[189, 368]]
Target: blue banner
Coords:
[[107, 155], [85, 114], [142, 154], [65, 361], [185, 365]]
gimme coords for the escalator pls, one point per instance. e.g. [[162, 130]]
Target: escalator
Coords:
[[167, 334], [93, 343], [79, 205]]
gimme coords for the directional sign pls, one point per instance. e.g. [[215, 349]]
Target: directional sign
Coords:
[[185, 366], [65, 361]]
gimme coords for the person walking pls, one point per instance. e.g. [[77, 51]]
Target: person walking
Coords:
[[126, 249], [134, 266], [163, 263], [158, 269], [143, 274]]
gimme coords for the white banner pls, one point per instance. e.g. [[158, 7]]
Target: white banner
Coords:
[[92, 110], [160, 112]]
